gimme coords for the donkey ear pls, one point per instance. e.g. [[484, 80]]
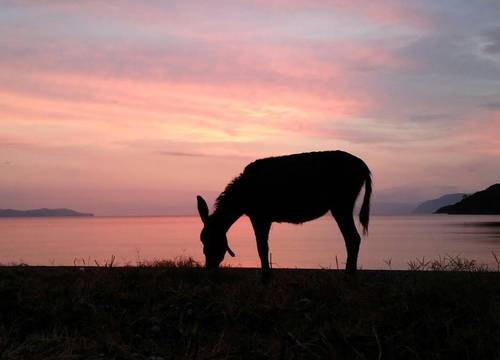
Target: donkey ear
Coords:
[[202, 208]]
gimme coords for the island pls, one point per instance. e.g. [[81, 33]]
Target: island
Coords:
[[42, 213], [485, 202]]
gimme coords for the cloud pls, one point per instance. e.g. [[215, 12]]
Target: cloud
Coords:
[[491, 105], [430, 117], [203, 155], [127, 85], [180, 153], [492, 39], [14, 141], [380, 131]]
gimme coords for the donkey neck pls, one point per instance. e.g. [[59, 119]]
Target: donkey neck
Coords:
[[224, 217]]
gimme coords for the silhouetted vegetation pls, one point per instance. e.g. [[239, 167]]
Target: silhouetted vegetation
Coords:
[[449, 263], [174, 309]]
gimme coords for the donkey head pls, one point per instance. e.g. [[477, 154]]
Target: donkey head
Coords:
[[213, 237]]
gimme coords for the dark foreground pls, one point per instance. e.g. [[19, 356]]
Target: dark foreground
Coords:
[[189, 313]]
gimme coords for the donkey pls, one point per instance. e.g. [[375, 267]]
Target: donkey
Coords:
[[294, 189]]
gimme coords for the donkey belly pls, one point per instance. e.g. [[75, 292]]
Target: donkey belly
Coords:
[[298, 217], [295, 209]]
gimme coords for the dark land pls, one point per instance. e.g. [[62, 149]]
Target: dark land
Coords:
[[485, 202], [391, 208], [172, 312], [41, 213], [431, 206]]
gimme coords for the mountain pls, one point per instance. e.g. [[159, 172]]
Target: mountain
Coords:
[[40, 213], [486, 202], [430, 206], [391, 208]]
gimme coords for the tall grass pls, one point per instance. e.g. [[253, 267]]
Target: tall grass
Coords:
[[441, 263], [447, 263], [177, 262]]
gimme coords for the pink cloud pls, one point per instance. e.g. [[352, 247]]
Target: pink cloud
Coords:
[[383, 12], [118, 93], [483, 137]]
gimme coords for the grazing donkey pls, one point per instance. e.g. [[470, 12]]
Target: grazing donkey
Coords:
[[293, 189]]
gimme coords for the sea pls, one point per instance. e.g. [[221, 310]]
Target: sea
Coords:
[[393, 242]]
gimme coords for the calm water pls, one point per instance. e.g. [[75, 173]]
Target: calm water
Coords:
[[59, 241]]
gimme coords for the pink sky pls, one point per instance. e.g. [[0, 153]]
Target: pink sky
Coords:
[[136, 107]]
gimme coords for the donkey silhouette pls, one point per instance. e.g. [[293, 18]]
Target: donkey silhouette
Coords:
[[294, 189]]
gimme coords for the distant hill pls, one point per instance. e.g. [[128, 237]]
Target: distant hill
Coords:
[[391, 208], [486, 202], [430, 206], [40, 213]]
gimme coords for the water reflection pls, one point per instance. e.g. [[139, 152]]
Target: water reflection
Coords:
[[488, 224], [486, 231], [317, 244]]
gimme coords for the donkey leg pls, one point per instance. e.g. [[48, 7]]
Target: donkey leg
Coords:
[[352, 239], [261, 229]]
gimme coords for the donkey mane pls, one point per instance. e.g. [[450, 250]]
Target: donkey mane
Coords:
[[230, 193]]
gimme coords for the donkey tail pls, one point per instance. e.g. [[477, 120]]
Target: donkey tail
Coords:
[[364, 213]]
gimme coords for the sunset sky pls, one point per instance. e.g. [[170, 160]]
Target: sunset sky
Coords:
[[126, 108]]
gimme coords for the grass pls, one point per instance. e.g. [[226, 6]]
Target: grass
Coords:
[[180, 262], [448, 263], [173, 309]]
